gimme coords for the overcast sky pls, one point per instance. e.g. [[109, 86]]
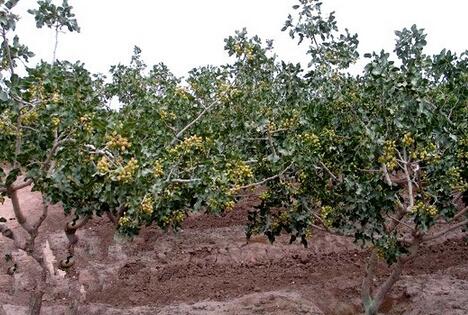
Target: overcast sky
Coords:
[[188, 33]]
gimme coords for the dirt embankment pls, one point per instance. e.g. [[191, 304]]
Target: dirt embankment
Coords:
[[209, 269]]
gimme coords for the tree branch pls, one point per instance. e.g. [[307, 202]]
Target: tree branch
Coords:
[[56, 44], [328, 170], [388, 180], [181, 132], [366, 291], [442, 233], [459, 214], [8, 233], [8, 52], [266, 179], [45, 211], [410, 186], [398, 221], [18, 212], [182, 180]]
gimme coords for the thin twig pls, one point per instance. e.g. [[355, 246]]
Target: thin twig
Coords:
[[266, 179], [182, 180], [400, 222], [328, 170]]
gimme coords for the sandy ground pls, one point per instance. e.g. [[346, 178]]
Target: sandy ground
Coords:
[[209, 269]]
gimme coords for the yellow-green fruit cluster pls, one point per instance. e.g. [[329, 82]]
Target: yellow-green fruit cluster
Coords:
[[311, 139], [103, 165], [6, 127], [421, 208], [227, 92], [178, 217], [188, 145], [125, 221], [37, 91], [462, 152], [290, 122], [182, 92], [326, 213], [55, 98], [126, 173], [55, 121], [116, 141], [427, 153], [456, 180], [167, 115], [282, 219], [158, 169], [388, 157], [29, 118], [328, 134], [85, 120], [229, 205], [244, 49], [408, 139], [239, 172], [147, 205], [271, 127], [265, 195]]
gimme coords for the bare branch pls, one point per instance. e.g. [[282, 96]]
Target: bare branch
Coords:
[[386, 175], [396, 220], [183, 130], [459, 214], [56, 44], [22, 185], [45, 211], [328, 170], [18, 212], [266, 179], [29, 128], [8, 52], [400, 222], [8, 233], [182, 180], [410, 186], [442, 233]]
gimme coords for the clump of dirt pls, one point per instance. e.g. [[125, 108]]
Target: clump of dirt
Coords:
[[208, 268]]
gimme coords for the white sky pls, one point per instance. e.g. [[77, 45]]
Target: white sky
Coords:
[[188, 33]]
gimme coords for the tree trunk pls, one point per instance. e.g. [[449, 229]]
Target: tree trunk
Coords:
[[35, 302]]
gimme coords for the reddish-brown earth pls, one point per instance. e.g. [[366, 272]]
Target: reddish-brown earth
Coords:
[[209, 269]]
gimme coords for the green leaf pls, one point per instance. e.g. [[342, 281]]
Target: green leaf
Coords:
[[12, 176], [11, 3], [3, 96]]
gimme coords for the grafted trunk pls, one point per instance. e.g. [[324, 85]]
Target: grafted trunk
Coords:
[[35, 302]]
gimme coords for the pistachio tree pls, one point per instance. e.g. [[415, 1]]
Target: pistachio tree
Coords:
[[41, 117], [380, 157]]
